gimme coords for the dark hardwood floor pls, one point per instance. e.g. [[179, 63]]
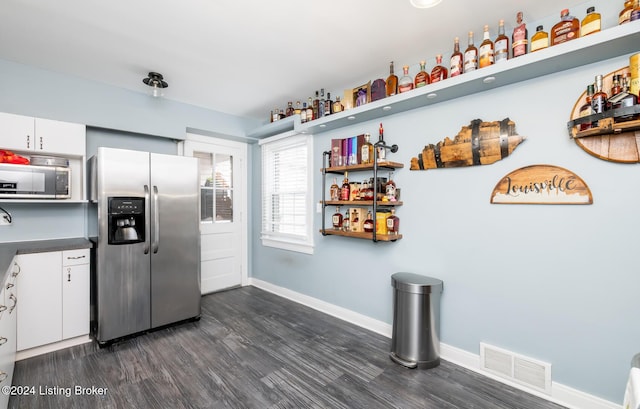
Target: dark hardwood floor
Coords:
[[252, 349]]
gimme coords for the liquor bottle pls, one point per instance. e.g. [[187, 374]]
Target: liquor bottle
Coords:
[[337, 106], [368, 191], [346, 221], [381, 151], [586, 109], [366, 152], [303, 113], [354, 194], [290, 110], [355, 221], [591, 23], [368, 223], [392, 82], [281, 114], [456, 62], [336, 219], [363, 190], [616, 86], [625, 99], [635, 13], [315, 104], [390, 188], [406, 82], [501, 45], [275, 115], [625, 14], [470, 56], [334, 190], [321, 105], [393, 224], [422, 78], [328, 105], [298, 108], [345, 192], [486, 50], [439, 73], [310, 114], [519, 37], [540, 39], [599, 99], [566, 30]]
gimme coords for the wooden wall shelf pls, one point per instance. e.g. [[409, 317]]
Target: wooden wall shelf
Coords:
[[366, 236]]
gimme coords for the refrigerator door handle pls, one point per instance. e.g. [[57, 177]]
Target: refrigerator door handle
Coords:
[[146, 221], [156, 222]]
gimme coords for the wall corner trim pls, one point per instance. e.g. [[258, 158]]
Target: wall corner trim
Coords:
[[561, 394]]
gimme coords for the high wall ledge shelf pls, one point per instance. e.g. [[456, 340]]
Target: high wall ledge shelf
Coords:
[[610, 43]]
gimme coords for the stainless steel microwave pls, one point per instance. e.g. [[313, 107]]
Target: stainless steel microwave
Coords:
[[34, 182]]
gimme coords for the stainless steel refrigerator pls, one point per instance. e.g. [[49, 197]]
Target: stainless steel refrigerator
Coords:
[[147, 260]]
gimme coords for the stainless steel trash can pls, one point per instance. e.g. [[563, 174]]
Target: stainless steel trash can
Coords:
[[415, 342]]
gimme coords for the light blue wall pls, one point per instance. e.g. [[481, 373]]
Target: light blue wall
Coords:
[[556, 283], [115, 117]]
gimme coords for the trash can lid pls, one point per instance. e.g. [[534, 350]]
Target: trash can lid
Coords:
[[415, 283]]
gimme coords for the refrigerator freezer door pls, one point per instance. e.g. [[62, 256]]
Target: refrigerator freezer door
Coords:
[[175, 239], [122, 277]]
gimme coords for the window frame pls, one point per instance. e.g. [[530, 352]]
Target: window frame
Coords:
[[284, 241]]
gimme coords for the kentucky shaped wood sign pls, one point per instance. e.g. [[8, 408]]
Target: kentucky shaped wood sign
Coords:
[[541, 184]]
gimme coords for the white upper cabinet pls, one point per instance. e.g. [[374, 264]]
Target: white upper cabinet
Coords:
[[41, 136]]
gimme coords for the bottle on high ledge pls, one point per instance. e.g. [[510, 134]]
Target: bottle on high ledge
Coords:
[[591, 23], [519, 38], [540, 39], [337, 105], [290, 111], [315, 104], [303, 113], [298, 109], [406, 82], [470, 55], [625, 15], [345, 191], [486, 52], [456, 62], [321, 104], [392, 82], [328, 105], [501, 45], [422, 78], [310, 114], [439, 73], [566, 30]]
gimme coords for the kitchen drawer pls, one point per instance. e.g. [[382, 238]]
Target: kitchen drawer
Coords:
[[75, 257]]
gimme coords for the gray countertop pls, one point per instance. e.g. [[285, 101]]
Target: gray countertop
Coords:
[[8, 250]]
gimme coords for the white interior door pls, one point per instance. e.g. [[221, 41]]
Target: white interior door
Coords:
[[223, 207]]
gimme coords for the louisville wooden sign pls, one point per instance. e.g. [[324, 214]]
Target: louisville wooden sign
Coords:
[[541, 184]]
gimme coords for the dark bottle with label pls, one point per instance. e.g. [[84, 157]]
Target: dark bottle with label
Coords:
[[336, 219], [328, 105], [520, 37], [392, 82], [345, 192], [586, 109], [368, 223], [624, 99]]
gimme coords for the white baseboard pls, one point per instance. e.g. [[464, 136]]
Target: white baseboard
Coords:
[[28, 353], [560, 394]]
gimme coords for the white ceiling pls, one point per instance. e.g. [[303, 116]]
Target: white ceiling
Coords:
[[244, 57]]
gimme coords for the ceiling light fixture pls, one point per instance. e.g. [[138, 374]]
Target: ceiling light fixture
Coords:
[[155, 81], [424, 4]]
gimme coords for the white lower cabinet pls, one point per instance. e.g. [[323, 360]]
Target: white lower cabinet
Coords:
[[53, 289], [8, 312]]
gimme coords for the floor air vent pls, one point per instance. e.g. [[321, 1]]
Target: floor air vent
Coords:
[[524, 370]]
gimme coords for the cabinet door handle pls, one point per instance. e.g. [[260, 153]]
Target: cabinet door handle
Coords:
[[3, 340], [68, 274], [3, 376], [9, 285], [41, 148], [15, 303], [15, 273], [28, 141], [76, 257], [3, 308]]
